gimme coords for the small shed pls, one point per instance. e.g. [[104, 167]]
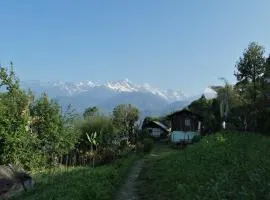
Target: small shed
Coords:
[[184, 126], [156, 129]]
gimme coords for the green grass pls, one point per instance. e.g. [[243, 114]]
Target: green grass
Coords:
[[80, 183], [221, 166]]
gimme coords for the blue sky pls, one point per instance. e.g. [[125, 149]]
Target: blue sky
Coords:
[[177, 44]]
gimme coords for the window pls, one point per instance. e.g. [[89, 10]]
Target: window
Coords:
[[187, 125], [187, 122]]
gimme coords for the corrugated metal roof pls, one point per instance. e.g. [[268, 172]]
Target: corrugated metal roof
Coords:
[[161, 125]]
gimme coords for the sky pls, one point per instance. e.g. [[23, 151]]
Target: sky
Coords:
[[171, 44]]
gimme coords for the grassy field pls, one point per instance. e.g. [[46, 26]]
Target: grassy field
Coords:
[[221, 166], [80, 183]]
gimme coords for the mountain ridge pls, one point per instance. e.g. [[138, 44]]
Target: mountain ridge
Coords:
[[73, 88], [149, 100]]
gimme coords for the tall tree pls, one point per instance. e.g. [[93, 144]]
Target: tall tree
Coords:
[[267, 65], [250, 67], [124, 118], [48, 127], [266, 89], [224, 99], [16, 147]]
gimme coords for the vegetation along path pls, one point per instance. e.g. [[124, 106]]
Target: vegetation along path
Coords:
[[128, 189]]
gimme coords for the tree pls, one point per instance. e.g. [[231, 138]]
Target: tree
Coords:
[[200, 105], [251, 67], [267, 66], [224, 99], [96, 137], [101, 125], [90, 112], [17, 143], [124, 118], [48, 127], [266, 88], [229, 101], [205, 108], [71, 134]]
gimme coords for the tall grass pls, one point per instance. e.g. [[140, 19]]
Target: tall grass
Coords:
[[79, 183]]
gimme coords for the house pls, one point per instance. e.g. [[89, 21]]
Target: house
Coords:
[[184, 126], [156, 129]]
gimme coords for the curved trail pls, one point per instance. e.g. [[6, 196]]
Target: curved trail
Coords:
[[127, 190]]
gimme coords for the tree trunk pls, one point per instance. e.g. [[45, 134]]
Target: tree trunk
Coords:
[[254, 85], [61, 159], [93, 157], [67, 160]]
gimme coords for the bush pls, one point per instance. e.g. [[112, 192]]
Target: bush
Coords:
[[196, 138], [147, 145]]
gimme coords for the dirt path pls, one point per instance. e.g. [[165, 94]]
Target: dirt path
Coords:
[[127, 190]]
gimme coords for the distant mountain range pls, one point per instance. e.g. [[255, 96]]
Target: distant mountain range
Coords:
[[149, 100]]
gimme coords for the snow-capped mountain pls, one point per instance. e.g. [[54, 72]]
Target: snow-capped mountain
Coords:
[[127, 86], [122, 86], [74, 88], [149, 100], [61, 88]]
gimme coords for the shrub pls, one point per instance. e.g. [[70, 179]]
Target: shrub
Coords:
[[106, 155], [196, 138], [147, 145]]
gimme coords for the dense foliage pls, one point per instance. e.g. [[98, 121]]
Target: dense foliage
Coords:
[[245, 105], [17, 140], [221, 166], [36, 133], [124, 118], [209, 110]]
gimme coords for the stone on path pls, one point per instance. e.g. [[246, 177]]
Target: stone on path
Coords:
[[13, 181]]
